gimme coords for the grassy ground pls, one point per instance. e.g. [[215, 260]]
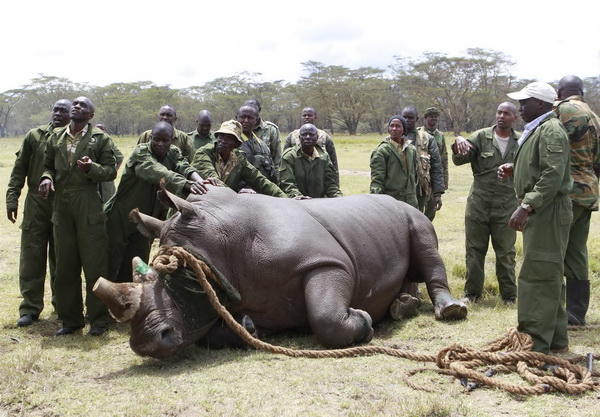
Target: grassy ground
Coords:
[[81, 375]]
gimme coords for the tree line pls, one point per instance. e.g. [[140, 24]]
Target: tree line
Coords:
[[466, 90]]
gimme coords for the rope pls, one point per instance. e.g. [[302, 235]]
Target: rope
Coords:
[[510, 353]]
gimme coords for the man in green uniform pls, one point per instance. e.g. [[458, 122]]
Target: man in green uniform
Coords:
[[268, 132], [77, 159], [148, 164], [429, 169], [583, 128], [306, 170], [542, 183], [430, 118], [181, 139], [309, 115], [202, 135], [394, 165], [223, 163], [257, 152], [490, 202], [37, 242]]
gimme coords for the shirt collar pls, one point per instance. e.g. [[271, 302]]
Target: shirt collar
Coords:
[[529, 127]]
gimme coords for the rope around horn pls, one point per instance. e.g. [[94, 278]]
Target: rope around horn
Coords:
[[510, 353]]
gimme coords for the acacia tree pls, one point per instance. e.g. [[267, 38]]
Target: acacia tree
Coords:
[[349, 96], [462, 88], [8, 101]]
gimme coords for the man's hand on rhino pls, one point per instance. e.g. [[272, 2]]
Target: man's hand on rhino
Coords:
[[303, 197]]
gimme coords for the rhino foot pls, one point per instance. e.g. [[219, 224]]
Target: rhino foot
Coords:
[[451, 309], [404, 306]]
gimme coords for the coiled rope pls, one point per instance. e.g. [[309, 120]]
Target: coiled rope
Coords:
[[510, 353]]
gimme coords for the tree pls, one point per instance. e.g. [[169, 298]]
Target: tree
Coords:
[[348, 96], [8, 100], [462, 88]]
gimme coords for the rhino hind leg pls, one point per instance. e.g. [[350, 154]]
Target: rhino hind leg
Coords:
[[328, 291], [221, 336]]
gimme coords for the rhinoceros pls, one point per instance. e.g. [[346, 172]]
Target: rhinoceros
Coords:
[[331, 266]]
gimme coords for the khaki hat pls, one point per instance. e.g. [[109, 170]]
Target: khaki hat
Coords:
[[430, 111], [231, 127], [541, 91]]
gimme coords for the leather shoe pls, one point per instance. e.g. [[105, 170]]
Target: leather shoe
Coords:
[[97, 330], [67, 330], [26, 320], [562, 349]]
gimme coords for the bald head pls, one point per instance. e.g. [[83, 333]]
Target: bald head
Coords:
[[163, 128], [167, 114], [61, 113], [204, 122], [570, 85], [506, 116]]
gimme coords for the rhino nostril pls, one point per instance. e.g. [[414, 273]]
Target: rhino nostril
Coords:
[[167, 336]]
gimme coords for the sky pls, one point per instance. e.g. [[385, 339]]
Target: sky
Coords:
[[184, 43]]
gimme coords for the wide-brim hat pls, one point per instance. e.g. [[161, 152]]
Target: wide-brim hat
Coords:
[[541, 91], [231, 127]]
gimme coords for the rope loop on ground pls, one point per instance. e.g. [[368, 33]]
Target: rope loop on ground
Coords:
[[510, 353]]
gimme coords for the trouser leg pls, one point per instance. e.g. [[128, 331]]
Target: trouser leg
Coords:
[[139, 245], [430, 208], [541, 311], [67, 285], [576, 266], [503, 242], [477, 235]]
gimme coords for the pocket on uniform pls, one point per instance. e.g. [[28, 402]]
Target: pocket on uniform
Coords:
[[554, 147], [545, 255], [96, 218], [26, 225]]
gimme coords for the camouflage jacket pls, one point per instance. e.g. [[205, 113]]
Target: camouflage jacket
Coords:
[[257, 153], [268, 132], [429, 168], [441, 141], [583, 128]]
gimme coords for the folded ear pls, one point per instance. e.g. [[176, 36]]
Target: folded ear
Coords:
[[171, 200], [147, 225]]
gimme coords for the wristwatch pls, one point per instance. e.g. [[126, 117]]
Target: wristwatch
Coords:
[[526, 207]]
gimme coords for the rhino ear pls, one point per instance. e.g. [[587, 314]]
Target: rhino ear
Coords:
[[147, 225], [142, 272], [171, 200]]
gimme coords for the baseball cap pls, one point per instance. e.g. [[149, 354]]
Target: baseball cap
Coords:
[[541, 91], [231, 127], [431, 111]]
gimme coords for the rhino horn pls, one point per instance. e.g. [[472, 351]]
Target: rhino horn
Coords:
[[122, 299], [171, 200], [147, 225], [142, 272]]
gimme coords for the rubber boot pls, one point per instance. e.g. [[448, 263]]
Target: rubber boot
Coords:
[[578, 300]]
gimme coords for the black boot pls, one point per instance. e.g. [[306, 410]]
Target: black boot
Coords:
[[578, 300]]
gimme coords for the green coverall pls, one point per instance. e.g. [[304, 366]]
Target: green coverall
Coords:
[[324, 141], [489, 207], [137, 189], [37, 241], [205, 162], [301, 177], [394, 175], [199, 141], [268, 133], [543, 181], [79, 223]]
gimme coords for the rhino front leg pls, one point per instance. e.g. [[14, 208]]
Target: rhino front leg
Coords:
[[328, 292]]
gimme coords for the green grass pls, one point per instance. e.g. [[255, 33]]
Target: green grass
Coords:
[[72, 376]]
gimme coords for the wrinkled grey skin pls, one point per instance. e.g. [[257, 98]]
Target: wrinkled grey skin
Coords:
[[333, 266]]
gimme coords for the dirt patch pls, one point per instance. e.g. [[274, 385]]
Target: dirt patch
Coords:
[[352, 172]]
